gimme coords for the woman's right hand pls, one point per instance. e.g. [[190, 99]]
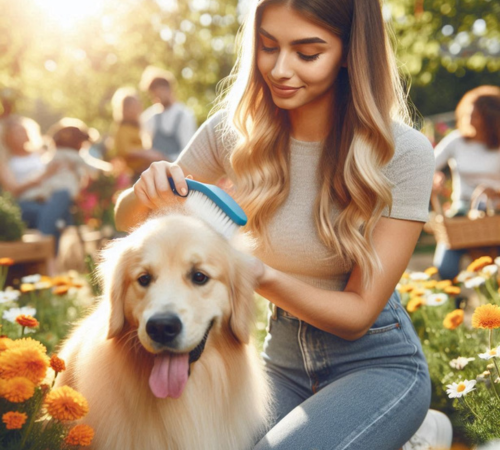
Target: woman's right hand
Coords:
[[153, 189]]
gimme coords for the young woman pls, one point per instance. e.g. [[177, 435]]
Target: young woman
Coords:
[[336, 188]]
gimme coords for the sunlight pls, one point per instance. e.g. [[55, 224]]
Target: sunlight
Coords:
[[67, 13]]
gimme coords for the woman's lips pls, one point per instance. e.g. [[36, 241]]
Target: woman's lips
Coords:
[[283, 91]]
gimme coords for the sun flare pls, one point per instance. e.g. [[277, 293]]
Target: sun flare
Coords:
[[67, 13]]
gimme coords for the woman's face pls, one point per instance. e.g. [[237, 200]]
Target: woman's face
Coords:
[[16, 138], [298, 59]]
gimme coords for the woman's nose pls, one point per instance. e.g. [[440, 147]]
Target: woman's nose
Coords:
[[282, 67]]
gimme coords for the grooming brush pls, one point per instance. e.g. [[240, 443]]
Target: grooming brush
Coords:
[[213, 205]]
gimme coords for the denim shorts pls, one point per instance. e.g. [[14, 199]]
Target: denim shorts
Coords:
[[330, 393]]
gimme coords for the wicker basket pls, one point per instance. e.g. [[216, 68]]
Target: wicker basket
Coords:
[[479, 229]]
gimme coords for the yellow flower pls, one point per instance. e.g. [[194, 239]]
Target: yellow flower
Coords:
[[417, 292], [6, 261], [61, 281], [405, 288], [80, 435], [443, 284], [26, 287], [60, 290], [27, 321], [486, 316], [414, 304], [431, 271], [453, 319], [405, 275], [65, 404], [57, 364], [14, 420], [452, 290], [17, 390], [24, 358], [479, 263], [429, 284], [4, 343]]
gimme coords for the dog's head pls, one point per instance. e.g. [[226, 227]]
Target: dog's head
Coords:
[[174, 280]]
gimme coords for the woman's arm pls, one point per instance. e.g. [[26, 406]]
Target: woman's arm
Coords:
[[9, 183], [349, 313]]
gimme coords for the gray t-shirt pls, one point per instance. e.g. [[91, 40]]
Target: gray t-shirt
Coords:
[[295, 246]]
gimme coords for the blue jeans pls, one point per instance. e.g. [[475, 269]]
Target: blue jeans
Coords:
[[334, 394]]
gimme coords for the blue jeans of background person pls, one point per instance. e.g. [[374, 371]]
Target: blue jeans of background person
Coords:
[[46, 216], [447, 261], [332, 394]]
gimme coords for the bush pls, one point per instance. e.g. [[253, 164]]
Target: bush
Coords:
[[11, 223]]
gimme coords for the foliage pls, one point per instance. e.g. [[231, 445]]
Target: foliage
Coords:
[[11, 224]]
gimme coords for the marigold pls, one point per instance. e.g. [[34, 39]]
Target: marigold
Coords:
[[431, 271], [61, 281], [415, 303], [417, 292], [4, 343], [479, 263], [65, 404], [27, 321], [60, 290], [443, 284], [14, 420], [453, 319], [80, 435], [452, 290], [6, 261], [486, 316], [17, 390], [406, 288], [431, 284], [24, 358], [57, 364]]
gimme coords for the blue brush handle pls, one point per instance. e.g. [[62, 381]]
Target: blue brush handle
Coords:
[[220, 197]]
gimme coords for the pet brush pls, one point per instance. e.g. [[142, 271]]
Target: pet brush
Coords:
[[213, 205]]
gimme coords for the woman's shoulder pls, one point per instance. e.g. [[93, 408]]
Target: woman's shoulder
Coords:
[[411, 147]]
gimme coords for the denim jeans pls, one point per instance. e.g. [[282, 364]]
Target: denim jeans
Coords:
[[332, 394]]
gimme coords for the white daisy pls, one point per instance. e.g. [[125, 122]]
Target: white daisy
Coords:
[[436, 299], [474, 282], [490, 270], [457, 390], [497, 261], [8, 296], [32, 279], [42, 285], [493, 353], [419, 276], [12, 313], [464, 276], [460, 362]]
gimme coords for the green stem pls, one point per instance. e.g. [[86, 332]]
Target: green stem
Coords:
[[22, 332], [494, 295], [3, 277], [470, 407]]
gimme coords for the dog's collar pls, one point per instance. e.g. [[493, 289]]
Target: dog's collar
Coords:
[[195, 354]]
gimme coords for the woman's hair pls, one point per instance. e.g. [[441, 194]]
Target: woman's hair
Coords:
[[485, 101], [71, 133], [368, 96], [120, 99], [32, 129]]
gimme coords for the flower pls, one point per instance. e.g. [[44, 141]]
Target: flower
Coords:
[[14, 420], [443, 284], [57, 364], [493, 353], [31, 279], [479, 263], [12, 313], [61, 281], [4, 343], [80, 435], [419, 276], [497, 261], [66, 404], [24, 358], [452, 290], [437, 299], [458, 390], [405, 288], [460, 362], [430, 284], [415, 303], [431, 271], [8, 296], [18, 389], [60, 290], [6, 261], [27, 287], [453, 319], [474, 282], [464, 276], [490, 270], [486, 316], [27, 321]]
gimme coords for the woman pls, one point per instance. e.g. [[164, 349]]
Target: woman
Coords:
[[473, 154], [337, 194], [23, 173]]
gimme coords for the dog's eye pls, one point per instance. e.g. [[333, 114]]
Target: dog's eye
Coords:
[[199, 278], [144, 280]]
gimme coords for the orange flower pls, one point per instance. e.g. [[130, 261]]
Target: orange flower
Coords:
[[77, 284], [66, 404], [24, 358], [14, 420], [453, 319], [27, 321], [443, 284], [415, 303], [431, 271], [417, 292], [479, 263], [429, 284], [406, 288], [60, 290], [17, 390], [80, 435], [57, 364], [452, 290], [6, 261], [61, 281], [486, 316], [4, 343]]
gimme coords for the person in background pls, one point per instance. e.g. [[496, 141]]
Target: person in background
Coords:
[[168, 123], [472, 152]]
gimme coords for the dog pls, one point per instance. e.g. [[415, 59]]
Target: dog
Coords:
[[165, 359]]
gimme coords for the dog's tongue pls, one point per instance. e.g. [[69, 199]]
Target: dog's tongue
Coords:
[[169, 375]]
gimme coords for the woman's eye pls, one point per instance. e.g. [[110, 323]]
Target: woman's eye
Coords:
[[144, 280], [199, 278], [308, 57], [268, 49]]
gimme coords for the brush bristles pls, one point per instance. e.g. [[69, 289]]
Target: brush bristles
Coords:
[[204, 208]]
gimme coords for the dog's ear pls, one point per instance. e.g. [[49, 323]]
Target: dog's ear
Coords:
[[242, 284]]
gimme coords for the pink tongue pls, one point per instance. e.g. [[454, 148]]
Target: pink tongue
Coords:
[[169, 375]]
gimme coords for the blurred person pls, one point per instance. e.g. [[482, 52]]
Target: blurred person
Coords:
[[168, 123], [472, 153]]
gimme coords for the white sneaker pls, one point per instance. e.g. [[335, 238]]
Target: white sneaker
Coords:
[[435, 433]]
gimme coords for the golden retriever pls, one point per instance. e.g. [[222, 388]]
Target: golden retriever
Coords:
[[164, 360]]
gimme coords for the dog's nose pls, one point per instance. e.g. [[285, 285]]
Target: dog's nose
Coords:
[[164, 328]]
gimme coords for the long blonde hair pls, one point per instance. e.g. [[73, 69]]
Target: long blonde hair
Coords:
[[368, 96]]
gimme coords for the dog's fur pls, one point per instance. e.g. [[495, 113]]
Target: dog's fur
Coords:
[[110, 356]]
